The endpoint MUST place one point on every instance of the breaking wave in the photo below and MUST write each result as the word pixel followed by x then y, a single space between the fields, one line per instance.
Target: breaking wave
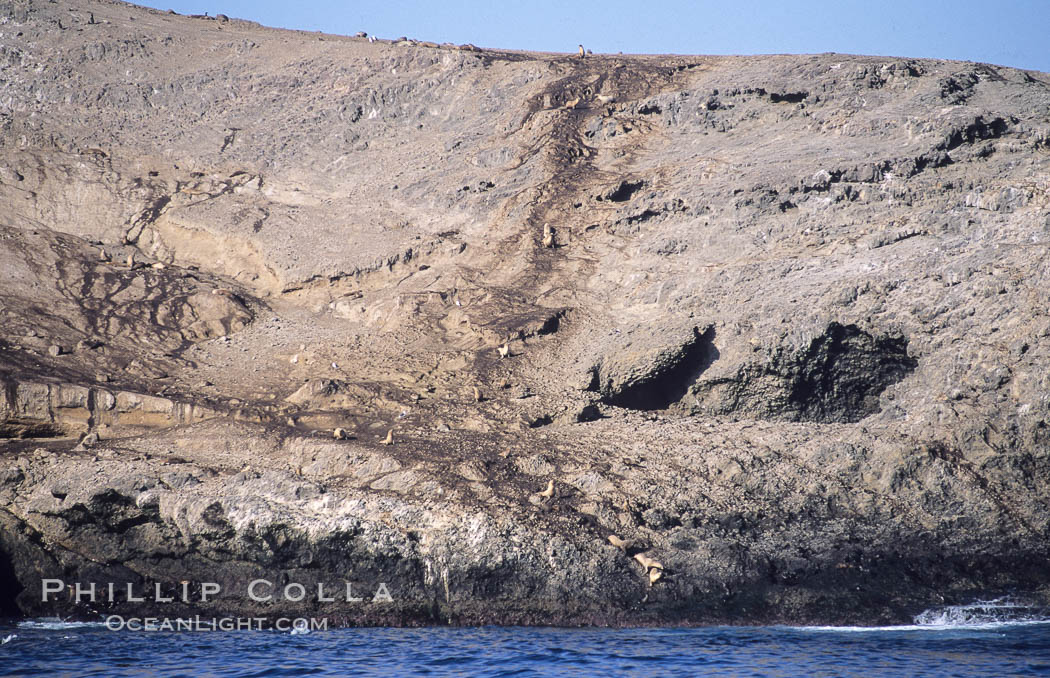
pixel 56 624
pixel 979 615
pixel 983 613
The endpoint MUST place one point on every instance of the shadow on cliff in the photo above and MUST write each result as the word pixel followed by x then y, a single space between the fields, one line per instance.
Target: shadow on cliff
pixel 667 385
pixel 9 587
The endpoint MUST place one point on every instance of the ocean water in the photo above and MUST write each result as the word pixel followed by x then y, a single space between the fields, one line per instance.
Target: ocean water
pixel 952 642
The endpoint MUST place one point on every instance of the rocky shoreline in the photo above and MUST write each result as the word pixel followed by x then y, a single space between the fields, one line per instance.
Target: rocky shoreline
pixel 141 515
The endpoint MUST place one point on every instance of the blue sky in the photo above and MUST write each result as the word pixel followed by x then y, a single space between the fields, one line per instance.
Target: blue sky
pixel 1007 32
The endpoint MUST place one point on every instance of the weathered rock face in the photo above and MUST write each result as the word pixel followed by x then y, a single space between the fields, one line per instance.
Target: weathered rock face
pixel 839 376
pixel 787 337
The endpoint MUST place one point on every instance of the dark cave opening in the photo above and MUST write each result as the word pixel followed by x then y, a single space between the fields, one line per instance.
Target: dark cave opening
pixel 669 383
pixel 841 375
pixel 788 97
pixel 10 587
pixel 625 191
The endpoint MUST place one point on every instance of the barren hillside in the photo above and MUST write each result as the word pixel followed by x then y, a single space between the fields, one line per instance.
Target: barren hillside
pixel 787 336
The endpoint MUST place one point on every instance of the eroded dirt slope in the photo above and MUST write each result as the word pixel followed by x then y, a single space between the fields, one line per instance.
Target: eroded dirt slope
pixel 787 335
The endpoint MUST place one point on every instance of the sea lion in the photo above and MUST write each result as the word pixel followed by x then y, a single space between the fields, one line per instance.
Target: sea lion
pixel 647 562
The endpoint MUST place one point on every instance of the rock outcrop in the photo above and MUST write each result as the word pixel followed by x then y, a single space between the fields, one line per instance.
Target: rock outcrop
pixel 787 336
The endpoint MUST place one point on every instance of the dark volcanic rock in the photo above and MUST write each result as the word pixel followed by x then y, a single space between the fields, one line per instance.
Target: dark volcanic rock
pixel 839 376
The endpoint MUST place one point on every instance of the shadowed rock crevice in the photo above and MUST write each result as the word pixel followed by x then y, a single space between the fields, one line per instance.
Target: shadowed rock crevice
pixel 978 130
pixel 668 379
pixel 788 97
pixel 16 427
pixel 623 192
pixel 838 377
pixel 9 587
pixel 843 372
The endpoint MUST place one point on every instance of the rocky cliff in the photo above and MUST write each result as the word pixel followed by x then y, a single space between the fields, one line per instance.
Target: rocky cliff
pixel 778 323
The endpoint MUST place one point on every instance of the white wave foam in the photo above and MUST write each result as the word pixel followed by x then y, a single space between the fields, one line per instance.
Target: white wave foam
pixel 919 627
pixel 859 629
pixel 981 613
pixel 8 638
pixel 56 624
